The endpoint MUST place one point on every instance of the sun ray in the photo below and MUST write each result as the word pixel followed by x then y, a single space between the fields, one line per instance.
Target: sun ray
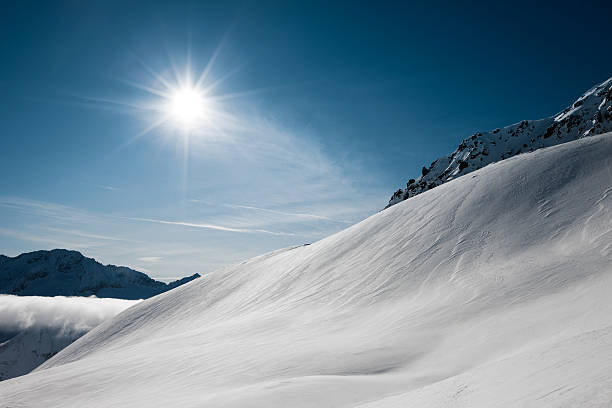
pixel 102 103
pixel 145 131
pixel 211 62
pixel 222 79
pixel 146 88
pixel 152 72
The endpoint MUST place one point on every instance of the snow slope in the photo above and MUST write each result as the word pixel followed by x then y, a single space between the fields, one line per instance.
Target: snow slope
pixel 490 290
pixel 590 115
pixel 68 273
pixel 34 328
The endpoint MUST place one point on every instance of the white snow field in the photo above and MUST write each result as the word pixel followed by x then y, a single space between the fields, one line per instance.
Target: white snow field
pixel 491 290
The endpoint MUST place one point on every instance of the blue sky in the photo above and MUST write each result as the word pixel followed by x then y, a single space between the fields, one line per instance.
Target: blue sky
pixel 322 110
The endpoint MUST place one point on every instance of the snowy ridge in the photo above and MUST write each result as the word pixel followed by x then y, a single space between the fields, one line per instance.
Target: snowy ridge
pixel 590 115
pixel 68 273
pixel 490 290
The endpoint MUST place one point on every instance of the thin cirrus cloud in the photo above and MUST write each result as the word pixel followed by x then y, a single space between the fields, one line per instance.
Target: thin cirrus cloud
pixel 207 238
pixel 105 187
pixel 66 213
pixel 283 213
pixel 101 186
pixel 44 241
pixel 213 227
pixel 43 208
pixel 291 191
pixel 55 225
pixel 150 258
pixel 87 235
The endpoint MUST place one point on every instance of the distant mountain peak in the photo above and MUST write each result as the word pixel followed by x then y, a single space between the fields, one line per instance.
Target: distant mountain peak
pixel 62 272
pixel 590 114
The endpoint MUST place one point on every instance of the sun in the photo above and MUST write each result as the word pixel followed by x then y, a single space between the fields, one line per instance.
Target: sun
pixel 184 103
pixel 187 107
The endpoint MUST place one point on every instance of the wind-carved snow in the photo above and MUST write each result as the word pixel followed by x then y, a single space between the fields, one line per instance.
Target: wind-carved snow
pixel 490 290
pixel 590 115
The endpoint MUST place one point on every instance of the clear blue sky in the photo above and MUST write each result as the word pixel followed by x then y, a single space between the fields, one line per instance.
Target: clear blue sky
pixel 328 107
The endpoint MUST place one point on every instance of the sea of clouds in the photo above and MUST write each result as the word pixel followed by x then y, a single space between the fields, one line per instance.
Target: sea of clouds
pixel 35 328
pixel 72 314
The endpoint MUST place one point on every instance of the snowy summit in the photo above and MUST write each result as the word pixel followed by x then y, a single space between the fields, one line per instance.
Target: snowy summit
pixel 68 273
pixel 591 114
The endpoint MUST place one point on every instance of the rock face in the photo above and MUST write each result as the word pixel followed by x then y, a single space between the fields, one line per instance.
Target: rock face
pixel 68 273
pixel 590 115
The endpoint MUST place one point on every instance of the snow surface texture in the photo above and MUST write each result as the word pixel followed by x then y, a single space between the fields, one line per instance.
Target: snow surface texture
pixel 33 329
pixel 590 115
pixel 490 290
pixel 69 273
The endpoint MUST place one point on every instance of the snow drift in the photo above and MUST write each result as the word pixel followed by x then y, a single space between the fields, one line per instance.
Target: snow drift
pixel 489 290
pixel 32 328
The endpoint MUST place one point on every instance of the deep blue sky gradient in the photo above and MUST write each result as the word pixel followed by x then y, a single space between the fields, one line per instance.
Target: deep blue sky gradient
pixel 373 90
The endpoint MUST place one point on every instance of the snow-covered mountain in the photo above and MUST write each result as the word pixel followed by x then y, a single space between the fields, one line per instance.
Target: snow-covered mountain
pixel 590 115
pixel 68 273
pixel 490 290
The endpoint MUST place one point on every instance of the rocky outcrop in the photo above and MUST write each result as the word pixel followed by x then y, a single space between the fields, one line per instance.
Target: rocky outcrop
pixel 591 114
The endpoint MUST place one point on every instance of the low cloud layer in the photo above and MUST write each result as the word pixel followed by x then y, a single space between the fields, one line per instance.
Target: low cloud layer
pixel 74 314
pixel 35 328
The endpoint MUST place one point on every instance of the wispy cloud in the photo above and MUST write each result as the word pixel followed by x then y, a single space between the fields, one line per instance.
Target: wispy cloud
pixel 46 225
pixel 271 187
pixel 109 188
pixel 27 225
pixel 150 258
pixel 47 241
pixel 45 209
pixel 87 234
pixel 212 227
pixel 101 186
pixel 283 213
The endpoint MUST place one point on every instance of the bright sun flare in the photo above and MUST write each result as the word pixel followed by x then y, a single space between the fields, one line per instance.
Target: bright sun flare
pixel 187 106
pixel 184 101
